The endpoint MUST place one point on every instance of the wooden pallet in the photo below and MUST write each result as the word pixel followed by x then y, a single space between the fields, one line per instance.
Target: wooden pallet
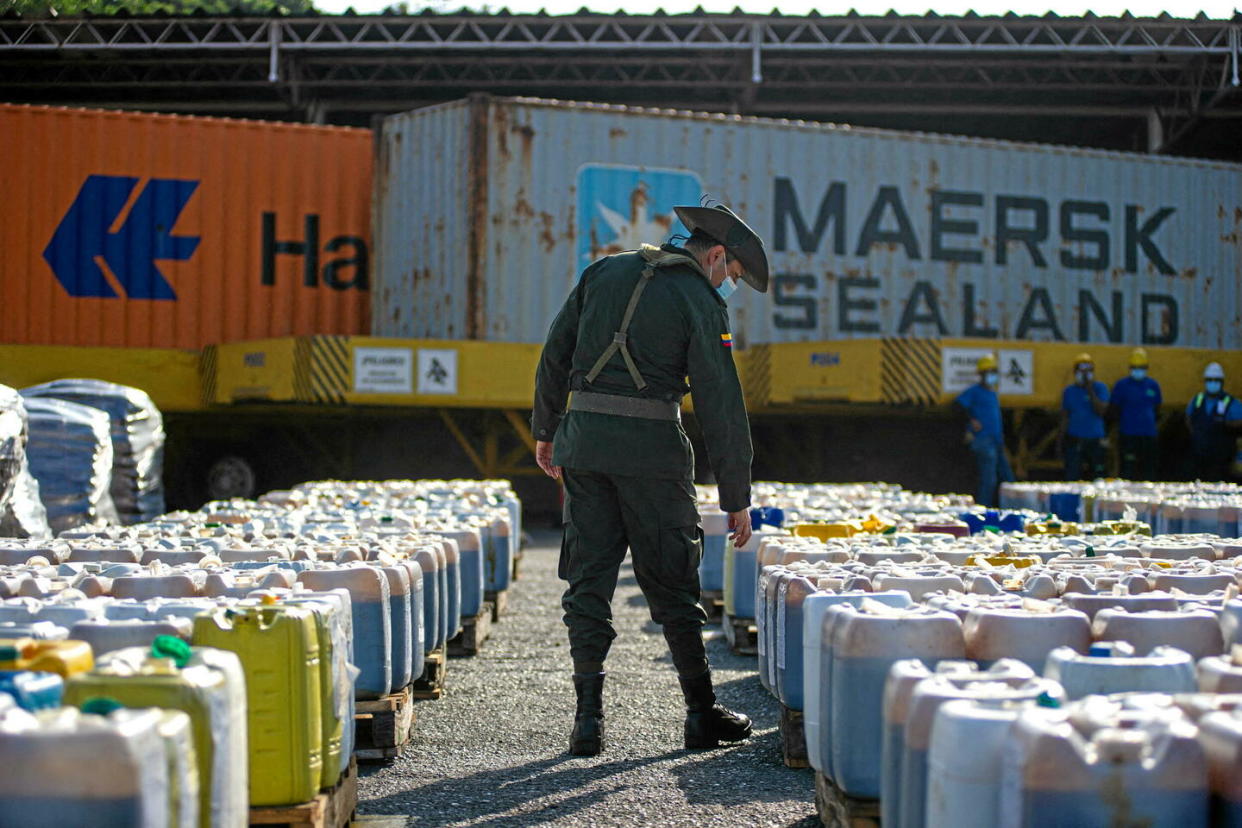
pixel 331 808
pixel 837 809
pixel 430 685
pixel 499 601
pixel 517 562
pixel 742 634
pixel 474 631
pixel 793 739
pixel 712 602
pixel 383 726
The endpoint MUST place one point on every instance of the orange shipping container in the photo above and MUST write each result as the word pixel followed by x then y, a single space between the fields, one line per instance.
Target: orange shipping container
pixel 126 229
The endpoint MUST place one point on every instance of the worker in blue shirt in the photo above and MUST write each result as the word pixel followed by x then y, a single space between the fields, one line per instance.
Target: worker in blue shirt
pixel 1136 401
pixel 1083 405
pixel 981 406
pixel 1214 419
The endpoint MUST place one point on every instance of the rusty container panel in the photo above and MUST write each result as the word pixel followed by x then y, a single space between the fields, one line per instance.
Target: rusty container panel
pixel 870 233
pixel 423 224
pixel 126 229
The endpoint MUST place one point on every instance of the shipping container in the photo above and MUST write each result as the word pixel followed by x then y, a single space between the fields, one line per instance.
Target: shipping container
pixel 487 210
pixel 126 229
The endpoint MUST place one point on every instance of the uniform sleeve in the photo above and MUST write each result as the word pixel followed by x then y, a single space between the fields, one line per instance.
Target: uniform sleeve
pixel 1101 391
pixel 1190 407
pixel 1065 400
pixel 1234 412
pixel 555 364
pixel 720 408
pixel 1159 397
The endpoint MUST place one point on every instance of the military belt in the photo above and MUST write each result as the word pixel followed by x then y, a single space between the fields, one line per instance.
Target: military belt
pixel 640 407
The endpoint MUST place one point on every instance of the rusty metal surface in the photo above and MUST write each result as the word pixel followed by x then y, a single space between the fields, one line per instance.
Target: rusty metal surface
pixel 422 223
pixel 870 233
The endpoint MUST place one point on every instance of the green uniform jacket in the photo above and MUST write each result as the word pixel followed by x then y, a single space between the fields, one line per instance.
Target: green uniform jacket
pixel 680 329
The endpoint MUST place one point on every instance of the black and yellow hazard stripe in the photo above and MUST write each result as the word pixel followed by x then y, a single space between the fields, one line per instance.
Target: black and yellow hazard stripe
pixel 757 376
pixel 321 369
pixel 910 371
pixel 207 362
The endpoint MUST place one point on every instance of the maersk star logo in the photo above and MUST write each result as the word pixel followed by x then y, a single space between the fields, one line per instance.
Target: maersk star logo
pixel 620 208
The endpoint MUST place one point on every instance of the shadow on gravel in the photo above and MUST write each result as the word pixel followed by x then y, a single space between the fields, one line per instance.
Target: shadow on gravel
pixel 703 783
pixel 489 798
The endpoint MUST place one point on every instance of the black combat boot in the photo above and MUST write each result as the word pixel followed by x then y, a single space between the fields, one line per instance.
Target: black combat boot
pixel 588 736
pixel 708 723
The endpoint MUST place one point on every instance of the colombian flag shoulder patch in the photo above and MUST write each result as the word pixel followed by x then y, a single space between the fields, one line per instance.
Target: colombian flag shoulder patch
pixel 726 340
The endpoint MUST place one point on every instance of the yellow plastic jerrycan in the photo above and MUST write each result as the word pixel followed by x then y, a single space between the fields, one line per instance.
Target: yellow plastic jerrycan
pixel 875 525
pixel 1051 527
pixel 279 652
pixel 1016 561
pixel 333 676
pixel 65 658
pixel 202 683
pixel 824 531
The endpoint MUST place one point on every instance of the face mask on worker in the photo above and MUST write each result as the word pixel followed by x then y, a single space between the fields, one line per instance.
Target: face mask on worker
pixel 991 379
pixel 1214 386
pixel 728 286
pixel 1085 375
pixel 1138 373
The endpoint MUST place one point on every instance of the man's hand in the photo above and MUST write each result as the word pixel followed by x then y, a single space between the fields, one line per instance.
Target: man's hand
pixel 975 425
pixel 543 456
pixel 739 527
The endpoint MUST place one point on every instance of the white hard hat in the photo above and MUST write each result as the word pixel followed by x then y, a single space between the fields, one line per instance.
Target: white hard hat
pixel 1214 371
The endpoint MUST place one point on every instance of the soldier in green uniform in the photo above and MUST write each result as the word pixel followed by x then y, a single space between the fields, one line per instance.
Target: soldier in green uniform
pixel 635 327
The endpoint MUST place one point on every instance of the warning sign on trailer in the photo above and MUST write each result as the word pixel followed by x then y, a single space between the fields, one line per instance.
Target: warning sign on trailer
pixel 1015 366
pixel 383 370
pixel 437 371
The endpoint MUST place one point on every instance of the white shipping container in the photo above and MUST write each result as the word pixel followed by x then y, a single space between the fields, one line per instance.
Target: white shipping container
pixel 488 209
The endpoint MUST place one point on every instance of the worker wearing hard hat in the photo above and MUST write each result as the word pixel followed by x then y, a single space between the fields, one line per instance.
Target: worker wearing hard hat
pixel 1214 419
pixel 985 430
pixel 1136 400
pixel 1083 405
pixel 633 329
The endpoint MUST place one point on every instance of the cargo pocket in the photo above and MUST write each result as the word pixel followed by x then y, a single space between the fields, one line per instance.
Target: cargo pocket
pixel 681 543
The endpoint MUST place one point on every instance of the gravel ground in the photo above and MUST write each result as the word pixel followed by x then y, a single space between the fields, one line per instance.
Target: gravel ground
pixel 492 751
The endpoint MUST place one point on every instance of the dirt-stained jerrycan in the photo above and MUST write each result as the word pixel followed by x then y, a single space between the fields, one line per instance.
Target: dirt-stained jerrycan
pixel 371 619
pixel 1141 768
pixel 177 733
pixel 1221 736
pixel 335 680
pixel 279 652
pixel 204 684
pixel 1114 667
pixel 1222 674
pixel 865 645
pixel 63 767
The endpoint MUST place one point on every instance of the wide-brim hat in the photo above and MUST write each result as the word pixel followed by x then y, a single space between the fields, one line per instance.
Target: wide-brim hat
pixel 723 225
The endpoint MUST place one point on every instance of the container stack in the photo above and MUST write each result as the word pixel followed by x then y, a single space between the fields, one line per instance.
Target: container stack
pixel 940 664
pixel 251 651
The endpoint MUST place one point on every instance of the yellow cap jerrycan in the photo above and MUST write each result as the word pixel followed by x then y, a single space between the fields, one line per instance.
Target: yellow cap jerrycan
pixel 335 681
pixel 279 651
pixel 65 658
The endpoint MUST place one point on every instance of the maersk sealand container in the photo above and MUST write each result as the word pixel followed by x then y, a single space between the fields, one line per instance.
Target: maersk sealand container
pixel 488 209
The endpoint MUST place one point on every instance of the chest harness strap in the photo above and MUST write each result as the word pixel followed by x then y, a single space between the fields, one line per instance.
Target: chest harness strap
pixel 655 257
pixel 621 337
